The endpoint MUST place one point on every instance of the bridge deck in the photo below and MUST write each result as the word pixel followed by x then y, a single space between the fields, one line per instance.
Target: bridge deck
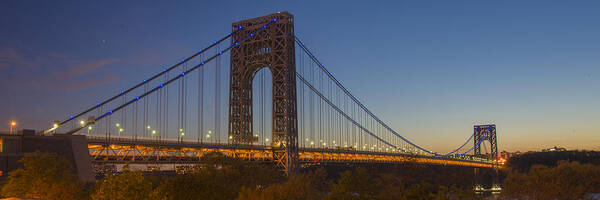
pixel 143 150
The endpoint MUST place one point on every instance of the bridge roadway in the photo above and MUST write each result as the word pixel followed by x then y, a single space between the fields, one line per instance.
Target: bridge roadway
pixel 153 151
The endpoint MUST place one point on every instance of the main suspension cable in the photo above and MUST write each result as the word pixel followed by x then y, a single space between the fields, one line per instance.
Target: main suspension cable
pixel 150 79
pixel 110 112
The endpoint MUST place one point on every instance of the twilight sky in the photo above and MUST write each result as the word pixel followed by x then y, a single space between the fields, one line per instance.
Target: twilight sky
pixel 430 69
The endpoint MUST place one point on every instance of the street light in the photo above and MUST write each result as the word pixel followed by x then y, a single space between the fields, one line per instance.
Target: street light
pixel 12 124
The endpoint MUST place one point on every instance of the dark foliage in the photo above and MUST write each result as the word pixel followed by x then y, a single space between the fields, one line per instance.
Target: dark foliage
pixel 523 162
pixel 567 180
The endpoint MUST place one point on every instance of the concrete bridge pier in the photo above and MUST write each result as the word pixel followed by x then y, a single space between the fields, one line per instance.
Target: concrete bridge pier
pixel 73 147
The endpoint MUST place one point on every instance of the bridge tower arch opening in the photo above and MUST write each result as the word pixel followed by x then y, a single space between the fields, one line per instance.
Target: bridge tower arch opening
pixel 272 48
pixel 262 106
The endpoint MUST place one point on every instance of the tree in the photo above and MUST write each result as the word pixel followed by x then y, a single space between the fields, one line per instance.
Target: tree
pixel 356 184
pixel 297 187
pixel 127 185
pixel 187 186
pixel 302 186
pixel 218 177
pixel 392 184
pixel 44 176
pixel 424 191
pixel 568 180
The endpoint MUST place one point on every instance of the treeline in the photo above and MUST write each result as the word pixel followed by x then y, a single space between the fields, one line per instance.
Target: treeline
pixel 48 176
pixel 566 180
pixel 553 175
pixel 523 162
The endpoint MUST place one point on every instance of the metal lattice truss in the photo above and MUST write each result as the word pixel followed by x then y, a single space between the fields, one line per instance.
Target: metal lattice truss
pixel 271 48
pixel 141 154
pixel 486 132
pixel 139 151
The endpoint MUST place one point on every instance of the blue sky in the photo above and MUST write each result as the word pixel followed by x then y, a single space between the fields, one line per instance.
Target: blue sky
pixel 430 69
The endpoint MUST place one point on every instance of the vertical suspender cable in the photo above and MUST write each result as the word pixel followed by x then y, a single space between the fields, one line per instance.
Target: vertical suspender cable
pixel 182 105
pixel 313 112
pixel 146 112
pixel 135 120
pixel 200 101
pixel 320 82
pixel 165 128
pixel 217 99
pixel 158 114
pixel 301 125
pixel 122 116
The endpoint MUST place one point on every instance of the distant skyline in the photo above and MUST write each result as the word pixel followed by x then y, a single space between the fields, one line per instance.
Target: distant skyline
pixel 431 70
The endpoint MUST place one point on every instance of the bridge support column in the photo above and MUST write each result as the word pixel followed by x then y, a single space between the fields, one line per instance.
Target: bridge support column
pixel 73 147
pixel 272 48
pixel 484 133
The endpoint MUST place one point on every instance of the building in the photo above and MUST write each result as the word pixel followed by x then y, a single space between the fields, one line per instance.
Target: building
pixel 554 149
pixel 507 155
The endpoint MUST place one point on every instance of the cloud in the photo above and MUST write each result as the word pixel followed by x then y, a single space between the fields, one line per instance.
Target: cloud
pixel 84 68
pixel 51 70
pixel 66 77
pixel 89 83
pixel 10 57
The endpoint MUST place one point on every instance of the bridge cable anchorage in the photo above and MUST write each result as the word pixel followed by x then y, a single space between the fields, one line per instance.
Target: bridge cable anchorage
pixel 146 80
pixel 109 113
pixel 353 98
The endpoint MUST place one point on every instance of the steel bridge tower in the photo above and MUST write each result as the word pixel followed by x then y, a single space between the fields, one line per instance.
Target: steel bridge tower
pixel 482 133
pixel 272 48
pixel 489 132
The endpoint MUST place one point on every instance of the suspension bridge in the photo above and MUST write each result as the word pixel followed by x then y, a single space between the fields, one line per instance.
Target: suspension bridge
pixel 284 107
